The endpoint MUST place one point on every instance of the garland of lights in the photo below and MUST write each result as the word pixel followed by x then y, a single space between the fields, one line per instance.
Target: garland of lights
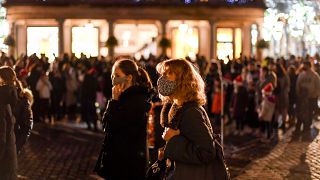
pixel 238 1
pixel 228 1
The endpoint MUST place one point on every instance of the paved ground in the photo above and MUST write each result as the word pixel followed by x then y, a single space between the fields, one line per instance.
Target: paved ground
pixel 291 156
pixel 68 151
pixel 59 152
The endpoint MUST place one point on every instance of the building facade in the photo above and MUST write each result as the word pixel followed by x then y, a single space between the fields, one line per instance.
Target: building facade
pixel 215 29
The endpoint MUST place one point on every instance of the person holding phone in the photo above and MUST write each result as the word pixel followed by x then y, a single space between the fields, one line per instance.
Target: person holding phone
pixel 124 152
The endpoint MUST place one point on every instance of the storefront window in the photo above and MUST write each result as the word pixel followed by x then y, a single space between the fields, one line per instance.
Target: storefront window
pixel 136 39
pixel 85 40
pixel 185 41
pixel 229 43
pixel 238 42
pixel 225 43
pixel 43 40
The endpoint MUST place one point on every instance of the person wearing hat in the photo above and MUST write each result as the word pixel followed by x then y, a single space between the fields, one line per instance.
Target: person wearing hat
pixel 307 91
pixel 266 109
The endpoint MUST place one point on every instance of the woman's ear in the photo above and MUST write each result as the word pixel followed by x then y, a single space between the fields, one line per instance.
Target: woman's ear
pixel 130 78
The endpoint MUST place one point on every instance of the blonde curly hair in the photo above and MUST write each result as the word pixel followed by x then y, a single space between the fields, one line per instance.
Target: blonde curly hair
pixel 190 85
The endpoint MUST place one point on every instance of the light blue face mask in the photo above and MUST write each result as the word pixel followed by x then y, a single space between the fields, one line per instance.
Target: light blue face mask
pixel 165 86
pixel 119 80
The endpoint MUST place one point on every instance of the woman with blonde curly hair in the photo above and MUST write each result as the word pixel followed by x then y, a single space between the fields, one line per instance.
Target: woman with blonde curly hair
pixel 188 133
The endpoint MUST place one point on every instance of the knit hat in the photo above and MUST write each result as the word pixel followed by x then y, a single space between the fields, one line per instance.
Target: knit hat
pixel 267 89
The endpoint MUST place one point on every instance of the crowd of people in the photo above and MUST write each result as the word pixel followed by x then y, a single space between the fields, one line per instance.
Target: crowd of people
pixel 257 97
pixel 265 96
pixel 71 86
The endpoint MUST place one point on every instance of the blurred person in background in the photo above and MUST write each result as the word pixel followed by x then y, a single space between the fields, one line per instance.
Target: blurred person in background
pixel 44 88
pixel 307 89
pixel 23 115
pixel 8 100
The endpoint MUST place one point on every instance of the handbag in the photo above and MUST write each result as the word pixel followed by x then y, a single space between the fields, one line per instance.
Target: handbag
pixel 157 170
pixel 160 171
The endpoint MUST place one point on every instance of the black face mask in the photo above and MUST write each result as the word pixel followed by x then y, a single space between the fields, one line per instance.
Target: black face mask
pixel 165 86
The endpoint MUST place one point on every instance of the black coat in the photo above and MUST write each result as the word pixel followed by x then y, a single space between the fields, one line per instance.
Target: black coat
pixel 193 151
pixel 8 156
pixel 89 89
pixel 126 133
pixel 24 121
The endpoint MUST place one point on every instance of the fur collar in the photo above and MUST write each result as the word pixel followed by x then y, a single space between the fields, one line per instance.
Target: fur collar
pixel 170 115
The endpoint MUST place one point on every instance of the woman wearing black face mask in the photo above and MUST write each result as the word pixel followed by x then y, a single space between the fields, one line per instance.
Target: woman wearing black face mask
pixel 191 145
pixel 8 99
pixel 124 152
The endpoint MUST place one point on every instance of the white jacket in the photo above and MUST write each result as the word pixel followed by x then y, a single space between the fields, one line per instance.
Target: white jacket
pixel 44 87
pixel 267 108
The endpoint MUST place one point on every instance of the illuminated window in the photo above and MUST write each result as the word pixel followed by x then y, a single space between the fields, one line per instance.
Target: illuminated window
pixel 254 37
pixel 238 42
pixel 43 40
pixel 4 28
pixel 185 41
pixel 85 40
pixel 229 43
pixel 136 39
pixel 225 43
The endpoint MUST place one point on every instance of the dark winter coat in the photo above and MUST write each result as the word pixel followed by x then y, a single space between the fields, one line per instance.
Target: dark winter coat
pixel 239 102
pixel 193 151
pixel 89 88
pixel 126 133
pixel 24 121
pixel 251 113
pixel 8 156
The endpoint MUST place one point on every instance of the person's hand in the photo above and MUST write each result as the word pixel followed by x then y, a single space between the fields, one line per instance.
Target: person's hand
pixel 161 153
pixel 116 92
pixel 168 133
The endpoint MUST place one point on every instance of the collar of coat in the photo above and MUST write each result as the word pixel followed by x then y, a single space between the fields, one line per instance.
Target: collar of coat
pixel 171 114
pixel 134 90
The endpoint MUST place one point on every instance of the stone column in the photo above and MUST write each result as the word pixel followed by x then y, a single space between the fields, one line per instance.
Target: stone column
pixel 246 39
pixel 111 33
pixel 61 37
pixel 164 33
pixel 213 40
pixel 12 33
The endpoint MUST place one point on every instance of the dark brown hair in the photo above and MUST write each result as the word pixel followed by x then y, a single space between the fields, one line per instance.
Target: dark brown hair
pixel 8 75
pixel 139 76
